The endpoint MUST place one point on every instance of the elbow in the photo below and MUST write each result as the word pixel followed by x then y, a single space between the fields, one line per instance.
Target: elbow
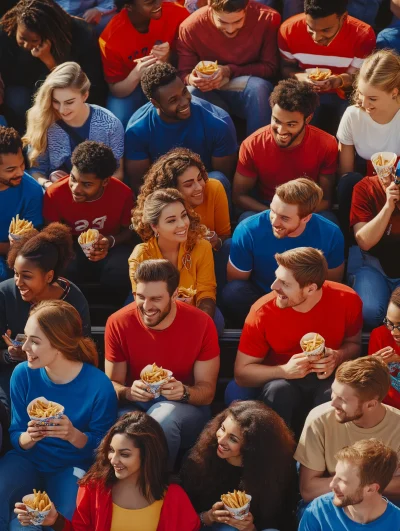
pixel 240 378
pixel 306 494
pixel 363 245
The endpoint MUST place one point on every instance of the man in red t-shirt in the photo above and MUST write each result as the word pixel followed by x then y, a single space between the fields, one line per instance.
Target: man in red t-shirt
pixel 325 36
pixel 89 198
pixel 176 336
pixel 375 218
pixel 241 36
pixel 270 364
pixel 385 343
pixel 287 149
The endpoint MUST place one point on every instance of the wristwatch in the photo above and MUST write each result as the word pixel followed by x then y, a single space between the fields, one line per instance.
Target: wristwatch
pixel 186 395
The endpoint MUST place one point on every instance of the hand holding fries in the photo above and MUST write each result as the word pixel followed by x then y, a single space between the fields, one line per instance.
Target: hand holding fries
pixel 320 74
pixel 39 501
pixel 205 85
pixel 173 389
pixel 325 366
pixel 297 367
pixel 154 375
pixel 36 509
pixel 41 409
pixel 100 249
pixel 219 514
pixel 139 392
pixel 309 345
pixel 19 226
pixel 235 499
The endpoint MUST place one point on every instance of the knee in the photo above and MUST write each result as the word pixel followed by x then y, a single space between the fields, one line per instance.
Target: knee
pixel 347 182
pixel 373 312
pixel 234 392
pixel 259 85
pixel 222 178
pixel 277 390
pixel 232 292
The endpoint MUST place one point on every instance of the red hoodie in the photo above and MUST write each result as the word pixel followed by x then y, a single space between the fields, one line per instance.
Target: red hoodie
pixel 94 510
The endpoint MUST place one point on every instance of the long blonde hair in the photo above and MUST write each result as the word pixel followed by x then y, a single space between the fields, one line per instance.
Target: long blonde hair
pixel 42 114
pixel 381 70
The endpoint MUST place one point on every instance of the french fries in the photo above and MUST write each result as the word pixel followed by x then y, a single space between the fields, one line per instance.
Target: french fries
pixel 43 410
pixel 308 345
pixel 186 292
pixel 235 499
pixel 156 374
pixel 317 75
pixel 20 226
pixel 88 236
pixel 209 69
pixel 380 161
pixel 40 501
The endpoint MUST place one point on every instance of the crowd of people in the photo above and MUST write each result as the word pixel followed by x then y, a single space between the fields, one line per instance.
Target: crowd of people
pixel 263 195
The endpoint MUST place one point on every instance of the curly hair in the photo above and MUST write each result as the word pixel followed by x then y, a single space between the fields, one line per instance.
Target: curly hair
pixel 47 19
pixel 325 8
pixel 50 250
pixel 294 96
pixel 267 454
pixel 228 6
pixel 165 171
pixel 148 212
pixel 10 141
pixel 94 157
pixel 158 75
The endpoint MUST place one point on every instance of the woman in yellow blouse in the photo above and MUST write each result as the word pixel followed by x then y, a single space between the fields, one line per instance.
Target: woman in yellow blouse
pixel 172 231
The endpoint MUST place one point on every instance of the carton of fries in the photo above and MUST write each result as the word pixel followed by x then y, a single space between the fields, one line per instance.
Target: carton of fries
pixel 237 503
pixel 19 227
pixel 318 75
pixel 186 294
pixel 87 239
pixel 154 377
pixel 207 69
pixel 38 506
pixel 313 345
pixel 384 165
pixel 44 412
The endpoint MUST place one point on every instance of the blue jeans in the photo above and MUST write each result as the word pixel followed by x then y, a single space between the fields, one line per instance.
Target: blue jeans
pixel 237 298
pixel 19 477
pixel 365 10
pixel 123 108
pixel 223 179
pixel 328 114
pixel 17 100
pixel 290 7
pixel 3 121
pixel 368 279
pixel 181 423
pixel 390 37
pixel 251 104
pixel 226 527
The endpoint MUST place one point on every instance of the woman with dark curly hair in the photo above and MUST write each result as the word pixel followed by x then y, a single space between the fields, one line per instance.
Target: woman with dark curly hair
pixel 127 487
pixel 246 447
pixel 38 260
pixel 171 230
pixel 35 37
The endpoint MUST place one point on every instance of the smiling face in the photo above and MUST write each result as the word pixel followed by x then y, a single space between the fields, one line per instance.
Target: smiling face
pixel 229 23
pixel 69 104
pixel 38 349
pixel 173 101
pixel 347 404
pixel 324 30
pixel 375 101
pixel 124 457
pixel 31 281
pixel 346 485
pixel 230 441
pixel 86 186
pixel 393 315
pixel 285 219
pixel 288 128
pixel 146 9
pixel 192 186
pixel 27 39
pixel 12 167
pixel 153 302
pixel 289 293
pixel 173 224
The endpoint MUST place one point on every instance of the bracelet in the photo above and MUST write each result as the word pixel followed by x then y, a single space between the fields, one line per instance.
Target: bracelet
pixel 201 516
pixel 44 184
pixel 113 242
pixel 220 245
pixel 341 77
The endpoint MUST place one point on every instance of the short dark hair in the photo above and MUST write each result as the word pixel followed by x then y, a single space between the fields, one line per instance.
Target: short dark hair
pixel 228 6
pixel 158 271
pixel 158 75
pixel 94 157
pixel 10 141
pixel 395 297
pixel 295 96
pixel 325 8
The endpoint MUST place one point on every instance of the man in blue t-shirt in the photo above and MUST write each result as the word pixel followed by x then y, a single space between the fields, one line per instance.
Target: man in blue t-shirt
pixel 363 471
pixel 19 193
pixel 289 223
pixel 173 118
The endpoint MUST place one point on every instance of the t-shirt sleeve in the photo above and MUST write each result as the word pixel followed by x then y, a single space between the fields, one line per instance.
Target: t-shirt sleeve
pixel 112 62
pixel 335 255
pixel 329 163
pixel 136 147
pixel 223 133
pixel 246 165
pixel 42 164
pixel 50 210
pixel 210 346
pixel 345 129
pixel 310 451
pixel 32 210
pixel 206 284
pixel 18 393
pixel 364 48
pixel 361 206
pixel 222 219
pixel 375 342
pixel 253 341
pixel 241 252
pixel 283 44
pixel 117 139
pixel 113 342
pixel 309 521
pixel 354 318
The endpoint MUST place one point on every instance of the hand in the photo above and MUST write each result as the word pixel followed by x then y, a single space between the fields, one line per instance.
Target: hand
pixel 205 85
pixel 99 249
pixel 325 366
pixel 64 429
pixel 387 355
pixel 43 52
pixel 217 513
pixel 16 353
pixel 139 392
pixel 25 520
pixel 332 83
pixel 143 64
pixel 161 52
pixel 392 195
pixel 247 524
pixel 92 16
pixel 57 175
pixel 297 367
pixel 35 432
pixel 172 390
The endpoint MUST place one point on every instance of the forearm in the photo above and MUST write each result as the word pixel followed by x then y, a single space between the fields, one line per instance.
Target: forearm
pixel 371 233
pixel 348 351
pixel 121 391
pixel 78 439
pixel 325 204
pixel 207 306
pixel 126 87
pixel 395 7
pixel 290 71
pixel 122 237
pixel 315 487
pixel 256 374
pixel 246 202
pixel 260 69
pixel 392 491
pixel 41 178
pixel 201 394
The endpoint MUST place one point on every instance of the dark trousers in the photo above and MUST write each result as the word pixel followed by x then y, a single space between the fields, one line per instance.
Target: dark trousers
pixel 238 296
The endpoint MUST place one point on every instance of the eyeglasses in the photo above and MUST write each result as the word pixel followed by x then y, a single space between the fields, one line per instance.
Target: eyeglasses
pixel 390 326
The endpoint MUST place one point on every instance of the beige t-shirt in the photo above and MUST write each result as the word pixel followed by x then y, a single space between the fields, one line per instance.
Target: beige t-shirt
pixel 323 436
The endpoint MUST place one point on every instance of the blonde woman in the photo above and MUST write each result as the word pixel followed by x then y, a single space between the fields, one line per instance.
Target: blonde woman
pixel 60 119
pixel 172 231
pixel 60 366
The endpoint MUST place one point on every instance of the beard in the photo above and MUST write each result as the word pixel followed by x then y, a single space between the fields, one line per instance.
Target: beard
pixel 155 320
pixel 354 499
pixel 289 303
pixel 284 233
pixel 293 137
pixel 349 418
pixel 10 183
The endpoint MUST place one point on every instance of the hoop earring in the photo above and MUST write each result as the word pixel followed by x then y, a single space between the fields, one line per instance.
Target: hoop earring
pixel 156 234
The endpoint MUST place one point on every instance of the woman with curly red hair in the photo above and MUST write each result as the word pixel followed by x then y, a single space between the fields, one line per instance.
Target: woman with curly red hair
pixel 246 447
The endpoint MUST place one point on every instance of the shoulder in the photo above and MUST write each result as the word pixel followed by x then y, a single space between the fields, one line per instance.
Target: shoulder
pixel 214 186
pixel 353 113
pixel 8 288
pixel 80 28
pixel 175 11
pixel 202 246
pixel 376 334
pixel 196 319
pixel 30 184
pixel 265 304
pixel 59 188
pixel 104 115
pixel 117 186
pixel 393 412
pixel 321 415
pixel 258 137
pixel 263 12
pixel 320 136
pixel 339 291
pixel 324 224
pixel 21 372
pixel 139 119
pixel 174 493
pixel 370 182
pixel 94 376
pixel 142 251
pixel 124 317
pixel 293 24
pixel 211 112
pixel 358 26
pixel 114 28
pixel 198 18
pixel 322 503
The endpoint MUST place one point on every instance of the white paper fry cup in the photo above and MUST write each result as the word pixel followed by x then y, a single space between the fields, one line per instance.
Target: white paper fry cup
pixel 87 247
pixel 46 421
pixel 154 388
pixel 37 517
pixel 386 171
pixel 206 76
pixel 315 81
pixel 318 352
pixel 240 512
pixel 15 237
